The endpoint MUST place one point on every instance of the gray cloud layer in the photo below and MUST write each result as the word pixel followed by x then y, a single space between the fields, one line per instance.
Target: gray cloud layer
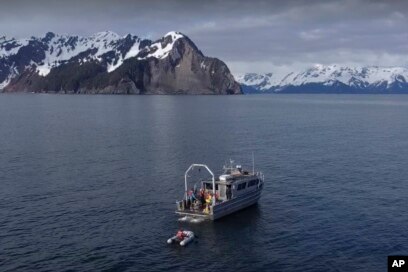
pixel 255 36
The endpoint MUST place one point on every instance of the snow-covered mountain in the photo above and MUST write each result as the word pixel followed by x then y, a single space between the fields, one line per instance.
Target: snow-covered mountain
pixel 64 63
pixel 45 53
pixel 332 79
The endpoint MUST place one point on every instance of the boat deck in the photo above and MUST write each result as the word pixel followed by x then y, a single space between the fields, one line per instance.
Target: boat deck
pixel 193 213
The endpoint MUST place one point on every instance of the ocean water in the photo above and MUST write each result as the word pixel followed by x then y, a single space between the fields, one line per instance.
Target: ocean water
pixel 89 183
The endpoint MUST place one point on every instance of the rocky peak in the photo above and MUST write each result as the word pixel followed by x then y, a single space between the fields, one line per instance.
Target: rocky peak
pixel 49 36
pixel 106 62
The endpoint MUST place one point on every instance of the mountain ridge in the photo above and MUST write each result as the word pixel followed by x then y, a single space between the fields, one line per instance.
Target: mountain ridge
pixel 106 62
pixel 329 79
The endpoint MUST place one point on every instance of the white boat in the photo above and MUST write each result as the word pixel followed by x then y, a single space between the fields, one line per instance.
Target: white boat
pixel 234 190
pixel 188 237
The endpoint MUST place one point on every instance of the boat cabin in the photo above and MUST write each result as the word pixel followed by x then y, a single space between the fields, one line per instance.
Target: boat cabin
pixel 233 183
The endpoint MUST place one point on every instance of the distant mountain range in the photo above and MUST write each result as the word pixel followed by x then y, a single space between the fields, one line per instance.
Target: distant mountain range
pixel 108 63
pixel 329 79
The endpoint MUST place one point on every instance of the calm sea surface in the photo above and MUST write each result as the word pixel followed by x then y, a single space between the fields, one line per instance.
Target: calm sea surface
pixel 88 183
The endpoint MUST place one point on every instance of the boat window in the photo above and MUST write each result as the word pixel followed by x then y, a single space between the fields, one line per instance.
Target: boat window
pixel 209 186
pixel 253 182
pixel 241 186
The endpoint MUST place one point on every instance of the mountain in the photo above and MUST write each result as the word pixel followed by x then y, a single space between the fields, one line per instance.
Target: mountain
pixel 108 63
pixel 329 79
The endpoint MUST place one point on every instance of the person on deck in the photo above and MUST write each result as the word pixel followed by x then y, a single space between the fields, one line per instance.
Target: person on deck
pixel 208 201
pixel 202 196
pixel 192 195
pixel 229 193
pixel 216 196
pixel 195 189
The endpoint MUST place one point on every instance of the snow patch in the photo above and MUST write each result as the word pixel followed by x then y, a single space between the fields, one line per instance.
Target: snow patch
pixel 4 83
pixel 174 35
pixel 162 52
pixel 133 51
pixel 43 70
pixel 112 67
pixel 17 44
pixel 13 73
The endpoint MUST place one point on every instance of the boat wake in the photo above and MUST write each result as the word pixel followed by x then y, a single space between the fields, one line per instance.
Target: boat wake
pixel 190 219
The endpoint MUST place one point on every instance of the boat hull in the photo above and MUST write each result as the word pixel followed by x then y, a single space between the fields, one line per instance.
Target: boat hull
pixel 231 206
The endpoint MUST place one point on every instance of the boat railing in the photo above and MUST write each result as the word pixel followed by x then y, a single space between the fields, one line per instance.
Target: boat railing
pixel 260 175
pixel 186 176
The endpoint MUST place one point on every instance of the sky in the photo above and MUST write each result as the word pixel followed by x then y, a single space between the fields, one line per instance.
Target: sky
pixel 250 36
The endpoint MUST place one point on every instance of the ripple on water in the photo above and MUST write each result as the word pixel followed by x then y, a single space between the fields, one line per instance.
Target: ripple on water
pixel 89 182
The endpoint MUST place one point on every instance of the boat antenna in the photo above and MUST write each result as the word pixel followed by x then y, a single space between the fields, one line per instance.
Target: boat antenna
pixel 253 163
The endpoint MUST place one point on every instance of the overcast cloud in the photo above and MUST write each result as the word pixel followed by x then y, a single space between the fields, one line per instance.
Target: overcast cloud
pixel 250 36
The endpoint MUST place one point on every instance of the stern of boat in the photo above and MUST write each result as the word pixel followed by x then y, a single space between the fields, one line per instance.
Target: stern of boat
pixel 193 212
